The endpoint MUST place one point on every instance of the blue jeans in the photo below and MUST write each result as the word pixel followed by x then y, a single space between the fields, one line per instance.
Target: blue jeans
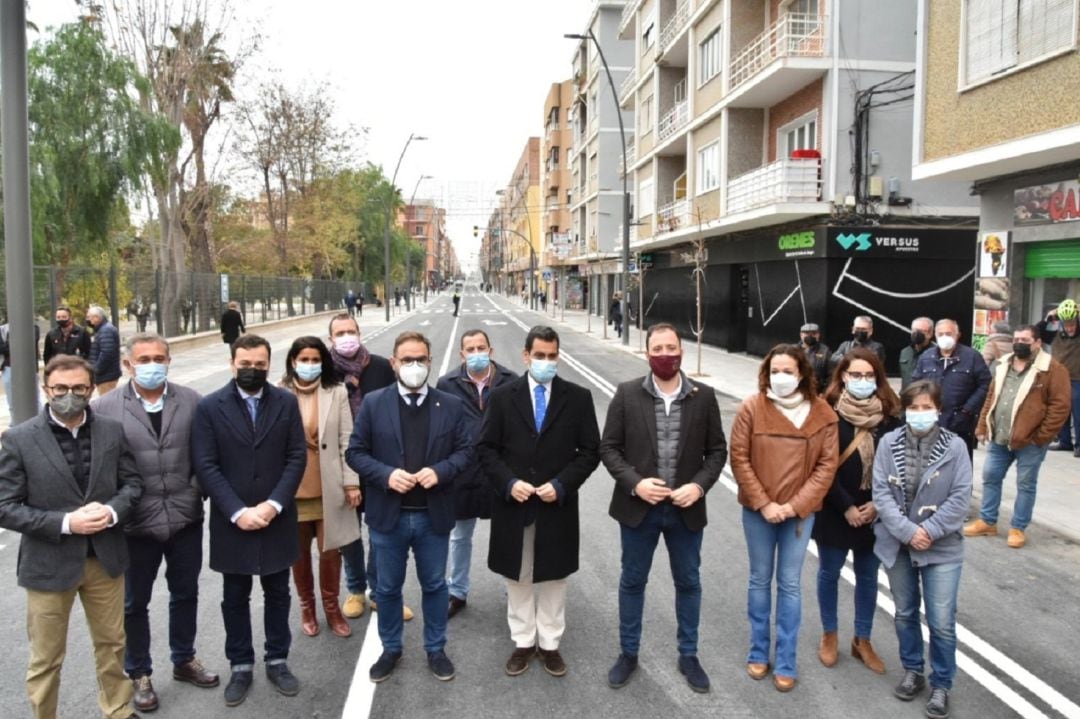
pixel 940 584
pixel 183 560
pixel 413 530
pixel 684 556
pixel 457 571
pixel 1067 438
pixel 236 611
pixel 780 547
pixel 357 577
pixel 831 562
pixel 998 460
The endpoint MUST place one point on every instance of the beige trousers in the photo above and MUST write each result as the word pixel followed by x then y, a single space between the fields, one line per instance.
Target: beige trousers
pixel 47 615
pixel 536 613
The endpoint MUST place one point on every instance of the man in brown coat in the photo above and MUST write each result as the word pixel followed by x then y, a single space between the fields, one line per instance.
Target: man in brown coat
pixel 1028 402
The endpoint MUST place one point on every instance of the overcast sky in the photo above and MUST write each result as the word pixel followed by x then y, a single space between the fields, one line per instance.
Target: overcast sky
pixel 470 75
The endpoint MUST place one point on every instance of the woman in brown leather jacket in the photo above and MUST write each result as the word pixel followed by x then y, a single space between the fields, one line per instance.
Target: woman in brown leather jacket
pixel 784 456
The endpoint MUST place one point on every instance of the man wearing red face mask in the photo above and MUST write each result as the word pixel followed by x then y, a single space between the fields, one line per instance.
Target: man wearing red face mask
pixel 664 445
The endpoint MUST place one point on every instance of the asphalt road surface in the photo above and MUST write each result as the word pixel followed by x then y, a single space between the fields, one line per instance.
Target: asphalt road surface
pixel 1019 611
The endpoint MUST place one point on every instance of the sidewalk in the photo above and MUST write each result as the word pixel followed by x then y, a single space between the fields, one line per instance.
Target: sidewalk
pixel 735 375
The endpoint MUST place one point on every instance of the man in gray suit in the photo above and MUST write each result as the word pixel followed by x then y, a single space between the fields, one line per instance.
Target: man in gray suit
pixel 67 484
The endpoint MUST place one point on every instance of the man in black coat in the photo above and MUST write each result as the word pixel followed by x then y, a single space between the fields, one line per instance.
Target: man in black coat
pixel 232 323
pixel 862 332
pixel 664 446
pixel 538 444
pixel 817 352
pixel 472 383
pixel 249 452
pixel 104 351
pixel 67 338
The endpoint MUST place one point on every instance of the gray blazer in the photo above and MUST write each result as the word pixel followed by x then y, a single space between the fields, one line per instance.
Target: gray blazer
pixel 171 499
pixel 37 489
pixel 940 505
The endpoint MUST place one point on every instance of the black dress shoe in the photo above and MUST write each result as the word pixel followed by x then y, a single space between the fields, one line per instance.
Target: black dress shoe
pixel 620 674
pixel 282 679
pixel 937 706
pixel 456 605
pixel 691 668
pixel 384 667
pixel 910 686
pixel 237 689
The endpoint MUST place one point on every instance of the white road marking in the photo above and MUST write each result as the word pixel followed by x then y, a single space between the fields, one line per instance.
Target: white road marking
pixel 362 689
pixel 449 348
pixel 492 323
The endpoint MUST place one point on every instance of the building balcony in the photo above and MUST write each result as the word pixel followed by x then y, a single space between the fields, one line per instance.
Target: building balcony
pixel 672 216
pixel 549 131
pixel 788 180
pixel 626 22
pixel 674 27
pixel 626 88
pixel 631 156
pixel 673 120
pixel 633 235
pixel 789 55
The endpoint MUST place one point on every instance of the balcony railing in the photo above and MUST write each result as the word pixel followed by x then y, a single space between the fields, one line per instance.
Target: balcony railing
pixel 550 130
pixel 627 15
pixel 631 156
pixel 672 121
pixel 788 180
pixel 627 85
pixel 793 35
pixel 672 216
pixel 674 26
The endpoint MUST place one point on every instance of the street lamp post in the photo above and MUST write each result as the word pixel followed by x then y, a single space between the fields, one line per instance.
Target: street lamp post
pixel 408 254
pixel 386 231
pixel 626 191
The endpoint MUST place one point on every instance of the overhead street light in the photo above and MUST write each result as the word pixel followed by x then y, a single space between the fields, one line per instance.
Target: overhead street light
pixel 408 255
pixel 626 191
pixel 386 231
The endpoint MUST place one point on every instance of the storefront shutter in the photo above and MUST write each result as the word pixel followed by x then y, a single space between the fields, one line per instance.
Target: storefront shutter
pixel 1053 259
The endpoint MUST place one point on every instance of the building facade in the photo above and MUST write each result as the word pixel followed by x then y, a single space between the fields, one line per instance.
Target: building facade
pixel 998 115
pixel 555 186
pixel 517 227
pixel 425 223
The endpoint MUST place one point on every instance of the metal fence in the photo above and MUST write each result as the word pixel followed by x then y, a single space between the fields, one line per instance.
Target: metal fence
pixel 172 303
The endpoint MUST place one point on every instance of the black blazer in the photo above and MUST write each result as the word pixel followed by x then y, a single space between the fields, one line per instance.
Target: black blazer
pixel 629 448
pixel 232 326
pixel 240 466
pixel 566 448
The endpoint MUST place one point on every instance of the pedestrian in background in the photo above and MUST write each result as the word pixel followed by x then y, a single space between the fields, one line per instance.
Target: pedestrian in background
pixel 867 408
pixel 67 338
pixel 104 350
pixel 232 323
pixel 615 315
pixel 862 332
pixel 784 457
pixel 409 444
pixel 1027 404
pixel 922 487
pixel 662 467
pixel 998 344
pixel 249 451
pixel 350 302
pixel 1065 348
pixel 472 382
pixel 922 339
pixel 538 445
pixel 167 522
pixel 457 302
pixel 329 491
pixel 72 542
pixel 817 353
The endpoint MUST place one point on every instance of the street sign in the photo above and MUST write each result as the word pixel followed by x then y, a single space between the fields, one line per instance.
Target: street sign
pixel 547 275
pixel 632 267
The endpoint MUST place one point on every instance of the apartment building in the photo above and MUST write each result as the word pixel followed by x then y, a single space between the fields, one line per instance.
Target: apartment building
pixel 425 222
pixel 776 133
pixel 516 225
pixel 555 186
pixel 998 113
pixel 597 153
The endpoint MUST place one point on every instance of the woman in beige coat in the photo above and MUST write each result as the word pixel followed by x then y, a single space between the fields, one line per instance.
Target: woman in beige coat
pixel 329 492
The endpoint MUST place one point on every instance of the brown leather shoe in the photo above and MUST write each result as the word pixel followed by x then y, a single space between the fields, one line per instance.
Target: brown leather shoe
pixel 330 588
pixel 553 662
pixel 863 650
pixel 193 672
pixel 145 698
pixel 757 671
pixel 519 660
pixel 783 684
pixel 827 650
pixel 456 605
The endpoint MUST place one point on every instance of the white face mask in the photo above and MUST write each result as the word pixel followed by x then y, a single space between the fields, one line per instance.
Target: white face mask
pixel 946 343
pixel 413 375
pixel 783 385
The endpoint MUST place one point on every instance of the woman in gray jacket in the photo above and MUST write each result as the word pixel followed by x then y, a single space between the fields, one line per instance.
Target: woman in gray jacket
pixel 922 487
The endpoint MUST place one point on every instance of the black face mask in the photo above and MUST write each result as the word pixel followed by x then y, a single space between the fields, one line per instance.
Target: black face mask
pixel 861 336
pixel 918 338
pixel 1022 350
pixel 810 341
pixel 63 323
pixel 250 379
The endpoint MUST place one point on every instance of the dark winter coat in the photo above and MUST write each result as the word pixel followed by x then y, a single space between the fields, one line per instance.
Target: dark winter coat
pixel 232 326
pixel 964 385
pixel 76 343
pixel 105 353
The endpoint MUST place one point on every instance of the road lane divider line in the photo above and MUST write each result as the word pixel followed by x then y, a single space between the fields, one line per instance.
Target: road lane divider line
pixel 449 349
pixel 361 688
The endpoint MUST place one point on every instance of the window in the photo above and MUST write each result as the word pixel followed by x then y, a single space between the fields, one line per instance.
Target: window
pixel 709 58
pixel 708 168
pixel 803 7
pixel 645 115
pixel 1002 34
pixel 648 30
pixel 646 201
pixel 419 230
pixel 798 135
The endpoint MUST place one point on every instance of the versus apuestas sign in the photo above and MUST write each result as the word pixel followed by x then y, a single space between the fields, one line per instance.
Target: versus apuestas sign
pixel 865 241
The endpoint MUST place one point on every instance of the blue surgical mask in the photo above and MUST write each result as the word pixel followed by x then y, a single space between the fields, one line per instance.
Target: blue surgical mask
pixel 477 362
pixel 151 375
pixel 861 388
pixel 922 421
pixel 543 371
pixel 308 372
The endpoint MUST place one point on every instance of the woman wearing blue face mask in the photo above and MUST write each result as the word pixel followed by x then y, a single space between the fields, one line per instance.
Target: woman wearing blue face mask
pixel 867 408
pixel 329 492
pixel 922 487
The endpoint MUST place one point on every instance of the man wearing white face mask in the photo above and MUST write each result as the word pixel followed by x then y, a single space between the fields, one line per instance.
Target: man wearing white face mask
pixel 963 376
pixel 409 445
pixel 168 520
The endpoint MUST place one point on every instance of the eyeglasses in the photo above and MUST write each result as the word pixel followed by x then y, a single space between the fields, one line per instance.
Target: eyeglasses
pixel 79 390
pixel 861 375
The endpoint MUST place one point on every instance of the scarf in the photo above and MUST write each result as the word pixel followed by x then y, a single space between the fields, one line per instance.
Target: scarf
pixel 863 414
pixel 351 369
pixel 794 406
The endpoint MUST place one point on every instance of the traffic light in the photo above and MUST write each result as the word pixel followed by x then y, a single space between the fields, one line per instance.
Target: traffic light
pixel 475 231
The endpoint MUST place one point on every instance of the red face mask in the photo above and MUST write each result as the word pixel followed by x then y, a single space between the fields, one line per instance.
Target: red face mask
pixel 665 366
